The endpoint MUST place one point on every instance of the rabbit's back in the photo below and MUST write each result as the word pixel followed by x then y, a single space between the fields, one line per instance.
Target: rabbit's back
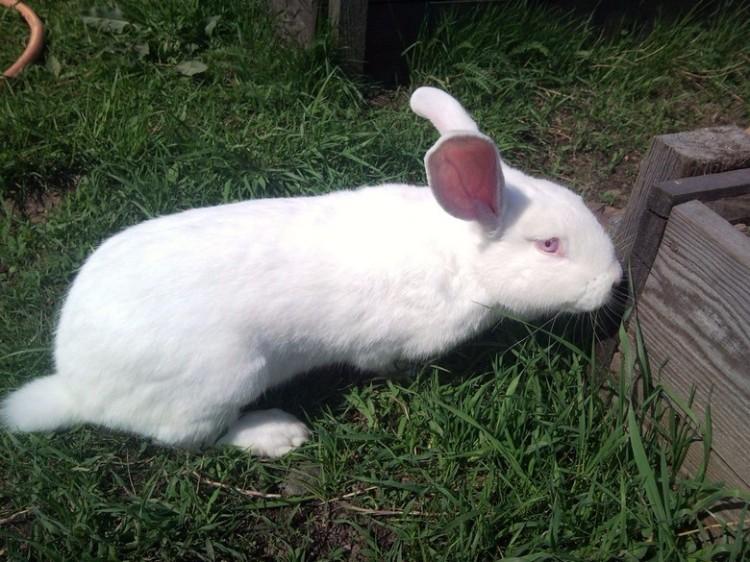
pixel 301 282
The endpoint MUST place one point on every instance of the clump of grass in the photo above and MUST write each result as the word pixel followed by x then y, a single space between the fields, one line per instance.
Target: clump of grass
pixel 514 455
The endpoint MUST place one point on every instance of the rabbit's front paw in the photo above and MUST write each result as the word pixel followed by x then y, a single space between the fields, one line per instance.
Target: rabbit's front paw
pixel 268 433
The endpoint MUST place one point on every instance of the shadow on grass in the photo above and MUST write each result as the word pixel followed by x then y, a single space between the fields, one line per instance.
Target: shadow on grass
pixel 308 394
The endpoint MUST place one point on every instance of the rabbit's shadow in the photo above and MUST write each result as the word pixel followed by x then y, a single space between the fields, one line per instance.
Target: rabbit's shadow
pixel 309 394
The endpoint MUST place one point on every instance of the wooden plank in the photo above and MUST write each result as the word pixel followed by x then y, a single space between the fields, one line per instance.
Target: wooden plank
pixel 694 312
pixel 703 188
pixel 348 20
pixel 644 250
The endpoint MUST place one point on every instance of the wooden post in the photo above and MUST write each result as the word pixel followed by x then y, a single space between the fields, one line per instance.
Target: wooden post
pixel 672 156
pixel 348 19
pixel 694 314
pixel 679 155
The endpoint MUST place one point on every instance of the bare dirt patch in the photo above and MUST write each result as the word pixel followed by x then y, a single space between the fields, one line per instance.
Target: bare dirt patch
pixel 38 196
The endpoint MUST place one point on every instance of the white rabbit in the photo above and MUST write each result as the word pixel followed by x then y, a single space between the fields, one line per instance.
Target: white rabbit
pixel 175 324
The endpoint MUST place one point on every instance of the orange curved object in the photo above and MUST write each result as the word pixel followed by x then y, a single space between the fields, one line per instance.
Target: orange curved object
pixel 36 38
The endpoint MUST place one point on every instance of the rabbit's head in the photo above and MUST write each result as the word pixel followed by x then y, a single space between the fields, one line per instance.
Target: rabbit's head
pixel 541 249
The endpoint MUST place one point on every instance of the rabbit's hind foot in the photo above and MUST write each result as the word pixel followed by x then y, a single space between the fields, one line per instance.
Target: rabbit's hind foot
pixel 268 433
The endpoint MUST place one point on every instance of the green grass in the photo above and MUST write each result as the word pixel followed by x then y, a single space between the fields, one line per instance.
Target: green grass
pixel 480 455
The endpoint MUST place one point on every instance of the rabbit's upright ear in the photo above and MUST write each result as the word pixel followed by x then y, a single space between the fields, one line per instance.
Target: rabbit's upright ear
pixel 464 173
pixel 443 111
pixel 463 167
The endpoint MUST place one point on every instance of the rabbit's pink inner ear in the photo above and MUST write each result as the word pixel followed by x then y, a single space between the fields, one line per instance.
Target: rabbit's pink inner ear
pixel 465 176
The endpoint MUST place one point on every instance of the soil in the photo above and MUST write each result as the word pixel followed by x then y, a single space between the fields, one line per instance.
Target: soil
pixel 37 197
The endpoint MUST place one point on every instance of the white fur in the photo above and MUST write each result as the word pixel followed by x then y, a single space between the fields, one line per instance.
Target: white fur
pixel 269 433
pixel 175 324
pixel 442 110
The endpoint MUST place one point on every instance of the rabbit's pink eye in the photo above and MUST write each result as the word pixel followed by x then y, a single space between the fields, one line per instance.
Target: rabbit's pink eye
pixel 549 246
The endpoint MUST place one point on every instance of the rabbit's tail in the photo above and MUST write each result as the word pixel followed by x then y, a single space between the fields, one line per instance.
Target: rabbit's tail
pixel 40 405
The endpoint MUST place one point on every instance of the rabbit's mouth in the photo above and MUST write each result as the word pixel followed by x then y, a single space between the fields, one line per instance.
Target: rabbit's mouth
pixel 600 290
